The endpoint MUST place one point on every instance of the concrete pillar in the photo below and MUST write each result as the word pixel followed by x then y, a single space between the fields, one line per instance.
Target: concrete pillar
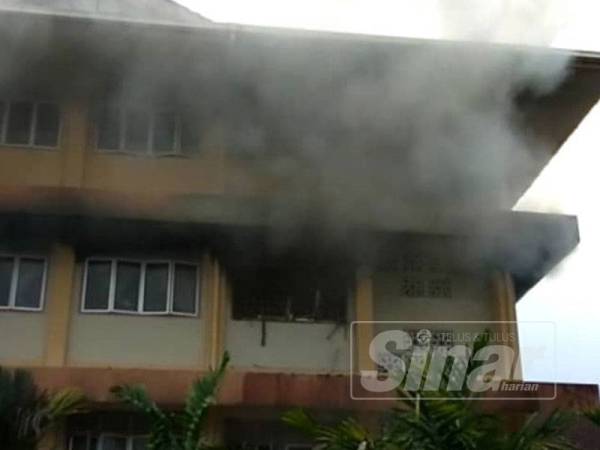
pixel 364 312
pixel 59 297
pixel 505 309
pixel 215 317
pixel 74 140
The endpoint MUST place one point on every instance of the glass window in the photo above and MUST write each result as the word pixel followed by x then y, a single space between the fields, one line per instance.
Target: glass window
pixel 97 285
pixel 79 442
pixel 185 288
pixel 190 136
pixel 6 274
pixel 156 285
pixel 109 129
pixel 31 279
pixel 136 134
pixel 128 285
pixel 165 129
pixel 18 128
pixel 114 443
pixel 47 125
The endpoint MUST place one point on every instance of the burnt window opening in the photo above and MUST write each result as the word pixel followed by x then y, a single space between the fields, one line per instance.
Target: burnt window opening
pixel 146 131
pixel 275 294
pixel 31 124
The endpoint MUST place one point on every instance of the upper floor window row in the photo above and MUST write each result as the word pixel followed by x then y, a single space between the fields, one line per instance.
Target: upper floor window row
pixel 32 124
pixel 145 132
pixel 141 287
pixel 22 282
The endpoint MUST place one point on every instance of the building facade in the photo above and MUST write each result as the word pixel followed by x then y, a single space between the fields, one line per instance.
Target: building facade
pixel 142 235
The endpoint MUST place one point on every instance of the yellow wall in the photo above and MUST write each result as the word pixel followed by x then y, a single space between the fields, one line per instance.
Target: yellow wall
pixel 60 335
pixel 77 164
pixel 21 166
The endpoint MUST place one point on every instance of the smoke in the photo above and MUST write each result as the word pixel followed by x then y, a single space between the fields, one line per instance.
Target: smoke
pixel 389 132
pixel 350 130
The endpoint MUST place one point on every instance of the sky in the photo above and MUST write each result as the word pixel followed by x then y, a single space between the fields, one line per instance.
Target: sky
pixel 568 296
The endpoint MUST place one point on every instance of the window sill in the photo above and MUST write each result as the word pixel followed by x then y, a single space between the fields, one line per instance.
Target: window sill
pixel 145 155
pixel 139 314
pixel 19 309
pixel 28 147
pixel 291 321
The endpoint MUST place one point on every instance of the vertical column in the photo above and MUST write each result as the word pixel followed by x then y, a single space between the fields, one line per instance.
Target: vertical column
pixel 73 142
pixel 215 314
pixel 504 301
pixel 58 303
pixel 364 312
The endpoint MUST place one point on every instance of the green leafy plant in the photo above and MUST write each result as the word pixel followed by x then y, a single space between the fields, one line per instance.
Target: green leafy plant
pixel 440 420
pixel 593 415
pixel 28 414
pixel 174 430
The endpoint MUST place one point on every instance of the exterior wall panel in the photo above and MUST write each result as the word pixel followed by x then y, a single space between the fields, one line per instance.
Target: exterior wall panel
pixel 471 300
pixel 129 340
pixel 313 347
pixel 108 340
pixel 22 336
pixel 24 167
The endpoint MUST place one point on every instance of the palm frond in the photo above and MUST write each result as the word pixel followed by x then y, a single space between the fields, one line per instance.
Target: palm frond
pixel 137 397
pixel 346 435
pixel 593 415
pixel 163 435
pixel 202 395
pixel 64 403
pixel 543 434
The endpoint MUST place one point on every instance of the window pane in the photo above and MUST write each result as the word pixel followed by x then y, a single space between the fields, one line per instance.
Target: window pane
pixel 2 118
pixel 19 123
pixel 155 289
pixel 136 135
pixel 46 125
pixel 6 270
pixel 29 288
pixel 79 443
pixel 114 443
pixel 128 285
pixel 184 290
pixel 164 132
pixel 97 285
pixel 109 129
pixel 190 136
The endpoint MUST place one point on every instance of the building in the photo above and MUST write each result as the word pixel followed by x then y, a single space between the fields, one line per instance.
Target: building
pixel 149 218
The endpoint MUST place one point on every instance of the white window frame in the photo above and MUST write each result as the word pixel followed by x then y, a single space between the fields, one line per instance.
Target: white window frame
pixel 14 283
pixel 100 439
pixel 5 117
pixel 149 151
pixel 169 311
